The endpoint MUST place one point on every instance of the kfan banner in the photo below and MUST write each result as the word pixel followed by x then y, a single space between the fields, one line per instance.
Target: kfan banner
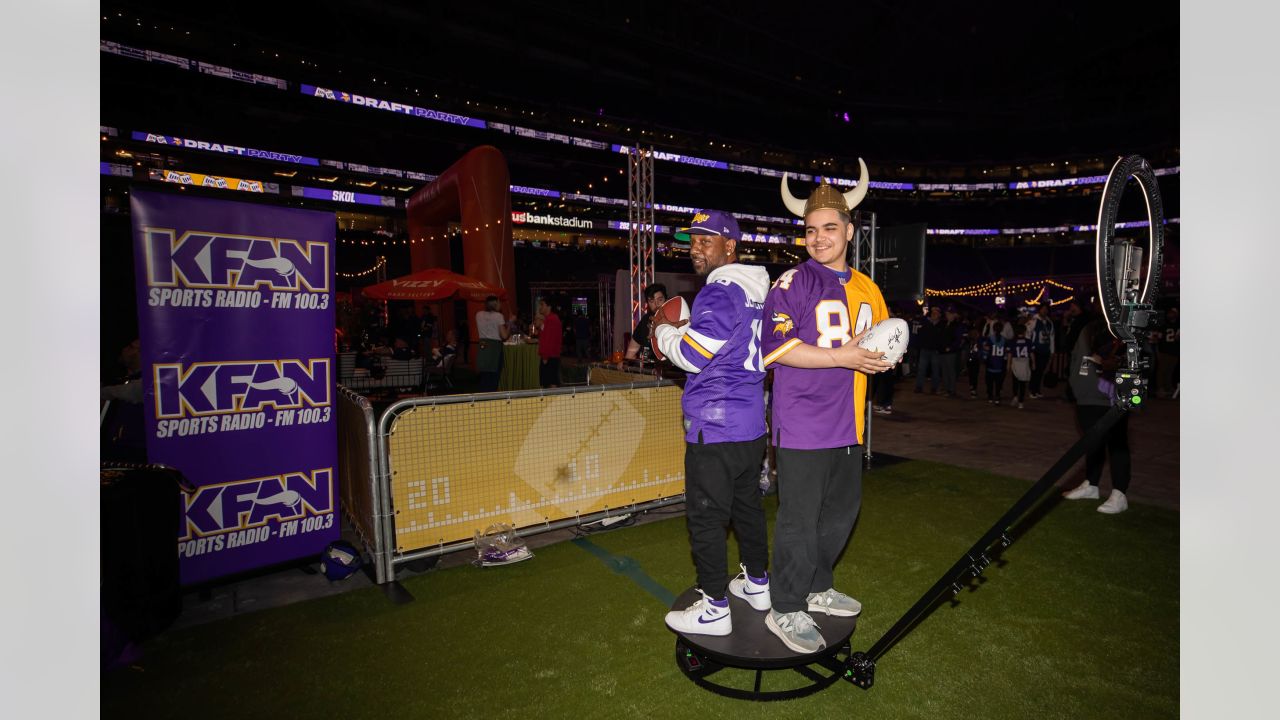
pixel 236 318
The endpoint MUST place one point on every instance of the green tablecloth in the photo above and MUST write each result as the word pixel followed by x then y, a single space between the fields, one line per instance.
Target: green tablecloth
pixel 519 367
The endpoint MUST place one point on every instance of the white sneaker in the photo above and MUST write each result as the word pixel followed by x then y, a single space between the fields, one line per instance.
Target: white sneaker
pixel 1116 503
pixel 834 602
pixel 757 596
pixel 1083 491
pixel 701 618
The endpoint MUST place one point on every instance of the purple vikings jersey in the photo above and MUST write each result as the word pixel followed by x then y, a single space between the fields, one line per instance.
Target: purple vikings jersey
pixel 820 407
pixel 720 349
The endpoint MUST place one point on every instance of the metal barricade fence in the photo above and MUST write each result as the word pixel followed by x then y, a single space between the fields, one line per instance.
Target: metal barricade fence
pixel 605 374
pixel 363 501
pixel 444 468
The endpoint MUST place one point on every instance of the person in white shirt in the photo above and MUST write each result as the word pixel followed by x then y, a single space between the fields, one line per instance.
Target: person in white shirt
pixel 492 330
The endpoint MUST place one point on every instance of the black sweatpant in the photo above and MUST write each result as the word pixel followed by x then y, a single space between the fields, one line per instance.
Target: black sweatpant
pixel 819 495
pixel 722 486
pixel 1037 370
pixel 1116 446
pixel 995 385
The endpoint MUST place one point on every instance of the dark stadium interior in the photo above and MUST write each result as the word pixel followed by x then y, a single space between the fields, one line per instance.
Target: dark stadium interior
pixel 934 93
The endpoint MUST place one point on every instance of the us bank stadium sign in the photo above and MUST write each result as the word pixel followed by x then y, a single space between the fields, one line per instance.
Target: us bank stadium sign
pixel 523 218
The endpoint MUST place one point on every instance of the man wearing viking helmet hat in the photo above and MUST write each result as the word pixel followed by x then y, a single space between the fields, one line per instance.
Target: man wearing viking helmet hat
pixel 817 312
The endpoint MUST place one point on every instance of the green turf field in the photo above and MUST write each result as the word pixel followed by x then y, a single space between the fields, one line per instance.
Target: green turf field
pixel 1080 621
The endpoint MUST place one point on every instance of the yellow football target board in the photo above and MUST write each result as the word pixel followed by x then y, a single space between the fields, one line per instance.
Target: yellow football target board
pixel 457 468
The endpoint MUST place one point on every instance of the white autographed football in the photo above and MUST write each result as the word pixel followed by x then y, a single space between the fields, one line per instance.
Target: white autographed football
pixel 889 337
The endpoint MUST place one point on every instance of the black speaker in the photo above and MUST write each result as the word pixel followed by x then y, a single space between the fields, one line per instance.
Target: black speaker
pixel 140 592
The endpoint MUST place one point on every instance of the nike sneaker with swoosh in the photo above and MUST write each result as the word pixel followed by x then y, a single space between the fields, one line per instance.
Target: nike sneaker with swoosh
pixel 757 596
pixel 703 617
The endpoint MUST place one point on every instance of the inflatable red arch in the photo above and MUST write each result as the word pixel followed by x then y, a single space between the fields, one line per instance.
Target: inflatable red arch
pixel 474 191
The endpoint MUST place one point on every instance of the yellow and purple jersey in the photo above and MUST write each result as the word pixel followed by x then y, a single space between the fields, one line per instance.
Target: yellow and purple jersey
pixel 814 305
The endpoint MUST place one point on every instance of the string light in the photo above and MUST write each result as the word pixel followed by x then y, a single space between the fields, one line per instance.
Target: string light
pixel 376 266
pixel 998 287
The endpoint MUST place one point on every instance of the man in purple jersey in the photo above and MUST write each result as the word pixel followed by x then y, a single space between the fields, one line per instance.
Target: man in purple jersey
pixel 814 315
pixel 723 404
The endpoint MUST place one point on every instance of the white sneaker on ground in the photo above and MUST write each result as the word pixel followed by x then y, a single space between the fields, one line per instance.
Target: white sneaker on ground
pixel 1116 503
pixel 796 630
pixel 701 618
pixel 1083 491
pixel 757 596
pixel 834 602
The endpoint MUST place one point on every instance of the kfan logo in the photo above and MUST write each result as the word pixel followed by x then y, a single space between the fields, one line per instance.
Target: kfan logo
pixel 251 503
pixel 209 260
pixel 210 388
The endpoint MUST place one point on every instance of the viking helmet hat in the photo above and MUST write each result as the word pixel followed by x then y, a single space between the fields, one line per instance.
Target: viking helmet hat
pixel 827 196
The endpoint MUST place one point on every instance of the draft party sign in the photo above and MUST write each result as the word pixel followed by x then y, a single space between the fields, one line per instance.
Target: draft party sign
pixel 236 318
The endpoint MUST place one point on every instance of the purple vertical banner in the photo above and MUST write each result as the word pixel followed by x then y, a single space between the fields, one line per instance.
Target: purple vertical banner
pixel 236 318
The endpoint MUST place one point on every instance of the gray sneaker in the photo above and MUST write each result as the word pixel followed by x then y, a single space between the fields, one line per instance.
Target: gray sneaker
pixel 796 630
pixel 834 602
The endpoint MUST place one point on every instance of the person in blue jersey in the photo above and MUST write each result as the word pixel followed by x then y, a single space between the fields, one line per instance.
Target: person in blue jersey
pixel 993 357
pixel 1022 364
pixel 1040 333
pixel 723 406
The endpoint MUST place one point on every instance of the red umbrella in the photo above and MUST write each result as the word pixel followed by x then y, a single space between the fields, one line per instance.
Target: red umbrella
pixel 433 284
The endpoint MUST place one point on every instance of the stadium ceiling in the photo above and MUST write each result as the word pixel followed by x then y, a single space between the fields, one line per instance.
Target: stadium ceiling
pixel 916 83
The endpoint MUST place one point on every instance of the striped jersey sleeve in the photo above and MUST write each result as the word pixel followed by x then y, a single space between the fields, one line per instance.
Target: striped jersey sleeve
pixel 711 322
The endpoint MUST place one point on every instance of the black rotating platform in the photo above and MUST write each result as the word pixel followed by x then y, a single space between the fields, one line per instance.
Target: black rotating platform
pixel 751 646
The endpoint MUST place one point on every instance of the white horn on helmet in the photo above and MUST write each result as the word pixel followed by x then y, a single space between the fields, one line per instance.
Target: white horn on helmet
pixel 854 196
pixel 793 203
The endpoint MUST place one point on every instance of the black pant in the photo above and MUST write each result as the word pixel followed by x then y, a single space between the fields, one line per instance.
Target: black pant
pixel 1037 370
pixel 1116 445
pixel 1019 389
pixel 995 384
pixel 975 369
pixel 819 494
pixel 882 387
pixel 722 485
pixel 489 381
pixel 549 372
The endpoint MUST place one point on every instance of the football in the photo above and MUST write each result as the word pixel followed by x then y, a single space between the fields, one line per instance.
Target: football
pixel 675 310
pixel 889 337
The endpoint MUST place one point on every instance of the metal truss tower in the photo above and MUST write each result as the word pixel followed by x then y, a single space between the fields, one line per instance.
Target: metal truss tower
pixel 864 251
pixel 864 261
pixel 640 225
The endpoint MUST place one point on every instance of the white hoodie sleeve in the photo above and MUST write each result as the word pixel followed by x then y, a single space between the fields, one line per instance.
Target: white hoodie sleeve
pixel 669 338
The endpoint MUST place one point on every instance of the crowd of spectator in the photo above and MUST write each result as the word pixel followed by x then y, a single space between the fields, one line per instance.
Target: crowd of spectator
pixel 1003 356
pixel 1027 349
